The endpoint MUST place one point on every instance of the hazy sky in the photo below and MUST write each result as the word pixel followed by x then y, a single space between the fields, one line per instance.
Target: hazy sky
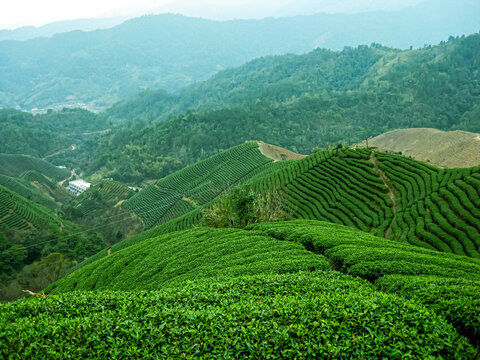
pixel 15 13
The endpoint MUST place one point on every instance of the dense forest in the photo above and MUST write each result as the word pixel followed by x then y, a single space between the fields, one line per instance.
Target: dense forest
pixel 296 101
pixel 169 52
pixel 292 102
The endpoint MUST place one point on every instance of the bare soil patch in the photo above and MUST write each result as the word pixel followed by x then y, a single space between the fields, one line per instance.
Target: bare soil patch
pixel 450 149
pixel 277 153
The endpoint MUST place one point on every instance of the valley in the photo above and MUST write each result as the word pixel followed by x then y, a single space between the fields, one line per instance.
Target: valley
pixel 244 195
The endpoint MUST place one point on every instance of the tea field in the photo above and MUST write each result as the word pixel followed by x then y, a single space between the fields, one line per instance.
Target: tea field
pixel 299 289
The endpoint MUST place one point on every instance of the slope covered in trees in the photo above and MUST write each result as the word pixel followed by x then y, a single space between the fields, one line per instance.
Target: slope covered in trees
pixel 65 137
pixel 295 103
pixel 171 51
pixel 271 306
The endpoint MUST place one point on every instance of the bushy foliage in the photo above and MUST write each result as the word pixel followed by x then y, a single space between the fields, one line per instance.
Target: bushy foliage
pixel 455 299
pixel 446 283
pixel 195 186
pixel 304 315
pixel 242 206
pixel 204 253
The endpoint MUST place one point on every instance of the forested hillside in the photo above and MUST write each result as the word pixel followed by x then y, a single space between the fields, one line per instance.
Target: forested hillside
pixel 300 102
pixel 169 52
pixel 296 101
pixel 66 137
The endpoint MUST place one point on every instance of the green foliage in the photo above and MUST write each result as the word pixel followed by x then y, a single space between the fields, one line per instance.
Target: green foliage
pixel 454 299
pixel 66 137
pixel 303 102
pixel 15 164
pixel 304 315
pixel 100 67
pixel 18 213
pixel 25 189
pixel 36 276
pixel 205 253
pixel 242 206
pixel 446 283
pixel 197 185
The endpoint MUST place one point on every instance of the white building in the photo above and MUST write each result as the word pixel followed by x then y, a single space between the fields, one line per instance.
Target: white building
pixel 78 186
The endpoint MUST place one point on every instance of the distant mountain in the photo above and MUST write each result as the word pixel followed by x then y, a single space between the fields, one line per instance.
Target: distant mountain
pixel 452 149
pixel 31 32
pixel 298 102
pixel 98 68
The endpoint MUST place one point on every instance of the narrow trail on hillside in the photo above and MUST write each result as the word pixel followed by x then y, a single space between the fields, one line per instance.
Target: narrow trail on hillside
pixel 391 190
pixel 72 174
pixel 70 148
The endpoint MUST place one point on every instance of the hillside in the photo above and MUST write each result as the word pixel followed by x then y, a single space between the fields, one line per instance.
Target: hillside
pixel 272 307
pixel 100 208
pixel 25 189
pixel 382 193
pixel 195 186
pixel 298 102
pixel 66 137
pixel 15 164
pixel 453 149
pixel 18 213
pixel 97 68
pixel 31 32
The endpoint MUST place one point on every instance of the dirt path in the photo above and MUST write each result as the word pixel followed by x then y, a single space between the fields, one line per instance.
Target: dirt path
pixel 391 190
pixel 71 148
pixel 71 176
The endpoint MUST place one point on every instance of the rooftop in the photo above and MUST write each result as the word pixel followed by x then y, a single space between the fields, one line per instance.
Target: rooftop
pixel 80 183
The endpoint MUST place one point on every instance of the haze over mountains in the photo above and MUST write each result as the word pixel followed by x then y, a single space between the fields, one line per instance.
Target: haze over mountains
pixel 96 69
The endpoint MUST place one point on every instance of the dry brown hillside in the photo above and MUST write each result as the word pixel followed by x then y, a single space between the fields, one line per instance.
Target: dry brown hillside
pixel 452 149
pixel 278 153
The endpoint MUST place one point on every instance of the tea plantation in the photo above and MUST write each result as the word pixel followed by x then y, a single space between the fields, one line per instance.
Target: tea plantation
pixel 386 194
pixel 18 213
pixel 298 289
pixel 197 185
pixel 16 164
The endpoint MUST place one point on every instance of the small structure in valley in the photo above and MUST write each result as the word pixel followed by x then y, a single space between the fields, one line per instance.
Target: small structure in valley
pixel 78 186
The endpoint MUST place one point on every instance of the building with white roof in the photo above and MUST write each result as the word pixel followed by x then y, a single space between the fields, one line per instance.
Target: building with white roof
pixel 78 186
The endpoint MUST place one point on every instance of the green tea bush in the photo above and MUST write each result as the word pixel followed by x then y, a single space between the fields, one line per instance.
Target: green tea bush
pixel 456 299
pixel 191 254
pixel 301 316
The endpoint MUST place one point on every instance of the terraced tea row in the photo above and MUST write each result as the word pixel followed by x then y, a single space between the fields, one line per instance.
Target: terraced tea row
pixel 276 248
pixel 301 315
pixel 382 193
pixel 445 283
pixel 16 164
pixel 386 194
pixel 194 186
pixel 205 252
pixel 25 189
pixel 18 213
